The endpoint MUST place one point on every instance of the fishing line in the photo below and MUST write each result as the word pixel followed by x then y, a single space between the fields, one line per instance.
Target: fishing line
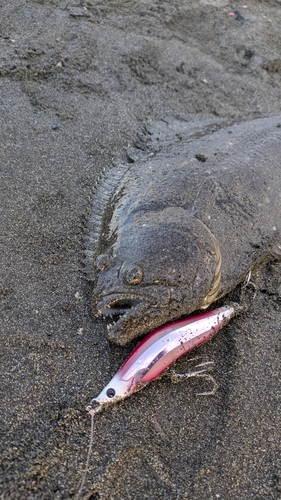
pixel 87 466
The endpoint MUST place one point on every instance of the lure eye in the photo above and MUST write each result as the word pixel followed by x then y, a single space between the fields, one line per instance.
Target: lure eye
pixel 101 262
pixel 133 275
pixel 110 393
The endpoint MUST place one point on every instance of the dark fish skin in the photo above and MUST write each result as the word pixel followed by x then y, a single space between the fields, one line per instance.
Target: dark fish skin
pixel 174 232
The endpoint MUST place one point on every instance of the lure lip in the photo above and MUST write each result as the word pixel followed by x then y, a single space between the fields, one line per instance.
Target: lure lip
pixel 158 350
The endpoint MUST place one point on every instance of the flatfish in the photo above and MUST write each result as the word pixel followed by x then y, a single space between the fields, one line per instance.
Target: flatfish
pixel 175 231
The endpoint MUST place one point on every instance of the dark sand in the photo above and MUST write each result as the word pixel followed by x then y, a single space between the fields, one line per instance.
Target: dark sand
pixel 78 82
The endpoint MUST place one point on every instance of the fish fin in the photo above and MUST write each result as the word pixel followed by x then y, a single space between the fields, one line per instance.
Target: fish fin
pixel 205 200
pixel 173 130
pixel 103 193
pixel 141 147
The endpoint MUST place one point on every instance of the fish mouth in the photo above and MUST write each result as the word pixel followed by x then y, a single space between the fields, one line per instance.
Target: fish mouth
pixel 126 316
pixel 116 306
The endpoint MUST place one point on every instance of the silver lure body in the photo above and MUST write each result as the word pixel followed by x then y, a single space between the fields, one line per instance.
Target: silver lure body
pixel 157 351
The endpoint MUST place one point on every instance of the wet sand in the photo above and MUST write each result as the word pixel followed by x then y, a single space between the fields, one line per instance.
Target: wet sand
pixel 78 82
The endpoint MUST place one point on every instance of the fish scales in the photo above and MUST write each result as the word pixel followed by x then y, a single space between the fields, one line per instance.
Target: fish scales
pixel 182 228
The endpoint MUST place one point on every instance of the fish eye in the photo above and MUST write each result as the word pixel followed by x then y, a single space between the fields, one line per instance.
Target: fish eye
pixel 101 262
pixel 110 393
pixel 133 275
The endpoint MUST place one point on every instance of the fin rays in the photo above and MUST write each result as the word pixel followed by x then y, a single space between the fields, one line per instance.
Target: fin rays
pixel 104 192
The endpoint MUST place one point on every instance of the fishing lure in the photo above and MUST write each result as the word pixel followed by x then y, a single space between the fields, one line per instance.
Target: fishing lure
pixel 154 354
pixel 157 351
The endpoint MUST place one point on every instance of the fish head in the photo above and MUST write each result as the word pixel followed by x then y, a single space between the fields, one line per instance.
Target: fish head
pixel 162 265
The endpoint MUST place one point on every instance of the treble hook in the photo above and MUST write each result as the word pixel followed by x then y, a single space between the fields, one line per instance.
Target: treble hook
pixel 247 283
pixel 179 377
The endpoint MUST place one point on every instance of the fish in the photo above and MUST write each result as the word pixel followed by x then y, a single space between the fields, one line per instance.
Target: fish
pixel 177 230
pixel 159 350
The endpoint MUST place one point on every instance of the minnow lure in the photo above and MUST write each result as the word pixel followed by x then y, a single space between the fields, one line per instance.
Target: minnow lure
pixel 157 351
pixel 154 354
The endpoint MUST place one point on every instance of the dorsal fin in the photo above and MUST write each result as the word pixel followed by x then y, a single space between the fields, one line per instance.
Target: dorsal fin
pixel 103 193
